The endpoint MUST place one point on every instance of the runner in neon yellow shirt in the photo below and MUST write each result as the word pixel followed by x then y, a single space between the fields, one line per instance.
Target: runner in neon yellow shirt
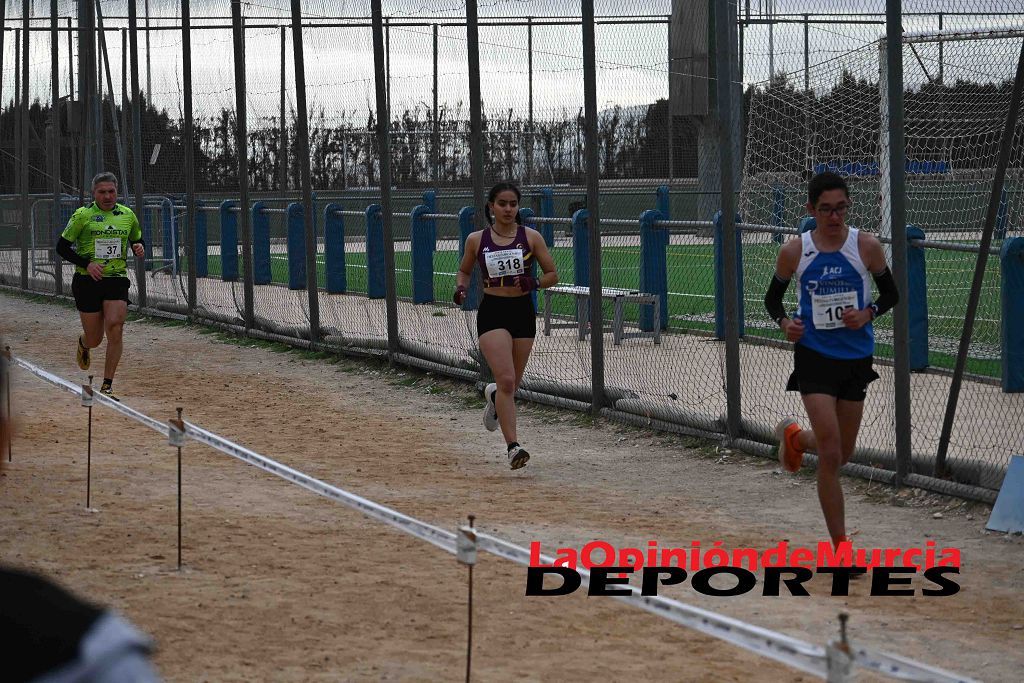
pixel 97 240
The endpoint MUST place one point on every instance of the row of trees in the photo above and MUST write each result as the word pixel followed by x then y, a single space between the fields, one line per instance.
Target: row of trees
pixel 789 129
pixel 786 128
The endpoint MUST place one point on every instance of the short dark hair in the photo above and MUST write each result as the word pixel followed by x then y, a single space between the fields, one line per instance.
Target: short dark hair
pixel 824 182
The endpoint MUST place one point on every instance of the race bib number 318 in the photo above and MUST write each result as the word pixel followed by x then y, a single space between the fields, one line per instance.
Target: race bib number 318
pixel 504 263
pixel 828 309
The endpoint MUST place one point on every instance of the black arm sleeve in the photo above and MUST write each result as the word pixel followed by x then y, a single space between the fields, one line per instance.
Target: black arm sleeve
pixel 134 242
pixel 773 298
pixel 69 254
pixel 888 294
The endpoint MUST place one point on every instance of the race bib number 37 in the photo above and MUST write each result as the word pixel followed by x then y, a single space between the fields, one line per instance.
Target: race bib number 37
pixel 107 248
pixel 828 309
pixel 504 263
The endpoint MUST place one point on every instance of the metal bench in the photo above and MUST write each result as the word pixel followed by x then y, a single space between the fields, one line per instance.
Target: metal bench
pixel 620 297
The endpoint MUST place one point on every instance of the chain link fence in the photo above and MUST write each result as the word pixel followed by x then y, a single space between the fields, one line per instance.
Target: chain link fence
pixel 463 99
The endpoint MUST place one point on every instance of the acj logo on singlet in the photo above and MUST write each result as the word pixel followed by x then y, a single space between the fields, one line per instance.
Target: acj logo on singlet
pixel 831 281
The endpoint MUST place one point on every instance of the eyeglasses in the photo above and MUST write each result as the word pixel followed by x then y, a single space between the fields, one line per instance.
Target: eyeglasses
pixel 838 210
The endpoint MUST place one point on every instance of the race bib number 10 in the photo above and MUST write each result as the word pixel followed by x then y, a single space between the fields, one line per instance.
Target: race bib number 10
pixel 828 309
pixel 107 248
pixel 504 263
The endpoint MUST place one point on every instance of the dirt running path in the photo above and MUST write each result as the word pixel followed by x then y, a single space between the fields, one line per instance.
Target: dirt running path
pixel 280 584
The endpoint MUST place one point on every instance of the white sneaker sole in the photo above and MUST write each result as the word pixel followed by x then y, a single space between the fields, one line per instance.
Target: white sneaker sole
pixel 490 411
pixel 780 433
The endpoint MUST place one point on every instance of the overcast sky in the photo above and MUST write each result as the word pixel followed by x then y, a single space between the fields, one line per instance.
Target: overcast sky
pixel 633 58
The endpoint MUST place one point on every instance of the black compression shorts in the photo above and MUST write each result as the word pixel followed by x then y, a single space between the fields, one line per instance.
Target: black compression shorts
pixel 515 314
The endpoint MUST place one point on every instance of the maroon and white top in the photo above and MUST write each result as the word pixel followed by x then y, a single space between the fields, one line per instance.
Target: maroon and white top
pixel 500 263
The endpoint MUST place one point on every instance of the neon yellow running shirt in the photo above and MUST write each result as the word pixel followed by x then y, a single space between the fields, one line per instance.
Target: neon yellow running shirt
pixel 104 237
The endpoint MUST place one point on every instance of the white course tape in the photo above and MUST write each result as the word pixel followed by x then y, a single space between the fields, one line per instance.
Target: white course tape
pixel 76 389
pixel 903 669
pixel 807 657
pixel 49 377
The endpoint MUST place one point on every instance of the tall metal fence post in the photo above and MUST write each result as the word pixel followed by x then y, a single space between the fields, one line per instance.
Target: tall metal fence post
pixel 384 145
pixel 435 124
pixel 26 207
pixel 191 213
pixel 242 146
pixel 724 26
pixel 283 123
pixel 137 186
pixel 308 211
pixel 476 143
pixel 55 141
pixel 593 165
pixel 898 228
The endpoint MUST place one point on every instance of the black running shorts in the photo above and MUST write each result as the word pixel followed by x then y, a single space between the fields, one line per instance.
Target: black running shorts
pixel 90 294
pixel 846 379
pixel 515 314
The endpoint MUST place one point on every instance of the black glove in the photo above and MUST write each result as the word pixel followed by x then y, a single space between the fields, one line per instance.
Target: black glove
pixel 460 295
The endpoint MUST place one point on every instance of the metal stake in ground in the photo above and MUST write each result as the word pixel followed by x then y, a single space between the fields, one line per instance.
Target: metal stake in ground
pixel 465 552
pixel 176 437
pixel 87 402
pixel 840 656
pixel 7 390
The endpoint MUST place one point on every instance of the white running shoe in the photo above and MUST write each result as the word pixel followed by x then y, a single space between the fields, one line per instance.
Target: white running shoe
pixel 490 411
pixel 517 456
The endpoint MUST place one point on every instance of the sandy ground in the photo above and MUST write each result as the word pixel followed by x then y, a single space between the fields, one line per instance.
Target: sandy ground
pixel 279 584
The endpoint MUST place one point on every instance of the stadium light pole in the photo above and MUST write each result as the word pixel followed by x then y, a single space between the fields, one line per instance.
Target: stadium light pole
pixel 190 175
pixel 593 166
pixel 898 231
pixel 384 144
pixel 302 143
